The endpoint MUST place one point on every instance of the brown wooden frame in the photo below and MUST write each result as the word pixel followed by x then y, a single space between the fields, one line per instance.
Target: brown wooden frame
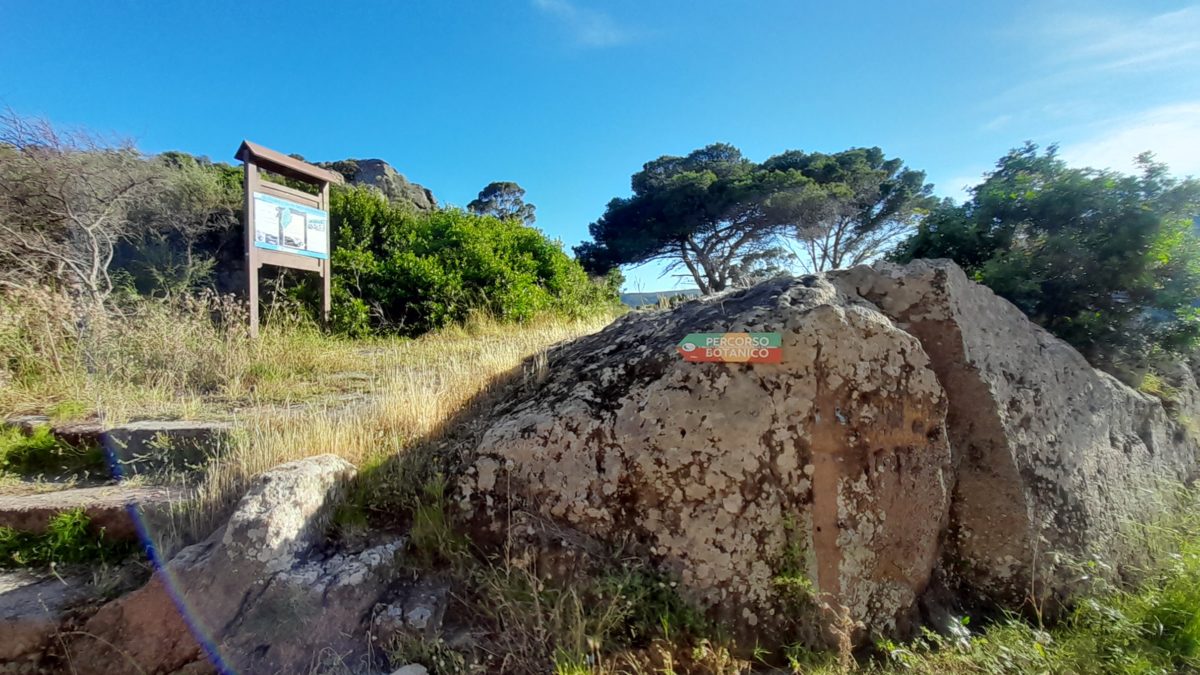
pixel 255 157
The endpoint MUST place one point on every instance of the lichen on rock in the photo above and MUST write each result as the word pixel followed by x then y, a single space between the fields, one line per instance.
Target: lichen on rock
pixel 920 430
pixel 700 465
pixel 1053 458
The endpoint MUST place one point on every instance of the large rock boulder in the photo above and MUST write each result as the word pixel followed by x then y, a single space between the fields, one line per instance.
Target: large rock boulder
pixel 1053 458
pixel 719 473
pixel 832 465
pixel 258 595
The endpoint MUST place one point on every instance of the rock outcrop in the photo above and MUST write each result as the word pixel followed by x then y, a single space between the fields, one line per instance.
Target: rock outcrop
pixel 1052 457
pixel 836 458
pixel 919 427
pixel 31 608
pixel 258 595
pixel 380 175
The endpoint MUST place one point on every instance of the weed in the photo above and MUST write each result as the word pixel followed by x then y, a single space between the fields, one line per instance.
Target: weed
pixel 1191 427
pixel 1156 386
pixel 1152 626
pixel 608 620
pixel 42 453
pixel 67 539
pixel 802 659
pixel 67 411
pixel 433 535
pixel 652 607
pixel 791 567
pixel 433 653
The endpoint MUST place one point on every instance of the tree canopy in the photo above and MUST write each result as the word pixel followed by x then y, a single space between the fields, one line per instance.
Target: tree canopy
pixel 726 220
pixel 504 200
pixel 1109 262
pixel 867 203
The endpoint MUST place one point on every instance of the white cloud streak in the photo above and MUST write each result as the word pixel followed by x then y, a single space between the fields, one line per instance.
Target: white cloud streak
pixel 588 27
pixel 1130 44
pixel 1171 132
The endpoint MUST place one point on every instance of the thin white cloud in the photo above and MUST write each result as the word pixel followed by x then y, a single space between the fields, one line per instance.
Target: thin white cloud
pixel 1171 132
pixel 588 27
pixel 996 123
pixel 1124 43
pixel 1079 59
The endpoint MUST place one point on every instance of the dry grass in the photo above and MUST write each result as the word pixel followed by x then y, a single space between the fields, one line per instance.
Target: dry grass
pixel 151 358
pixel 414 386
pixel 294 392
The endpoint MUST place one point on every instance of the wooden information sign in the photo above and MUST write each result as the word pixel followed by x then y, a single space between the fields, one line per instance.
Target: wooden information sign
pixel 285 227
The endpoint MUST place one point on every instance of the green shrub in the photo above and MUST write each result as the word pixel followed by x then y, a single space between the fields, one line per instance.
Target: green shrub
pixel 408 272
pixel 1107 261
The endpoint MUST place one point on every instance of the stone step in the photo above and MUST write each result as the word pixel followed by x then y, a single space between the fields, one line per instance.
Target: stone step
pixel 152 446
pixel 26 424
pixel 141 447
pixel 111 507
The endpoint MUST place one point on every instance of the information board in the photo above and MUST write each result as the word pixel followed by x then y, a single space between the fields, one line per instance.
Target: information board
pixel 283 225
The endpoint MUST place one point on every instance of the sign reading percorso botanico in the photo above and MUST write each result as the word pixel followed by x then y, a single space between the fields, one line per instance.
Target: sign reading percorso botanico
pixel 731 348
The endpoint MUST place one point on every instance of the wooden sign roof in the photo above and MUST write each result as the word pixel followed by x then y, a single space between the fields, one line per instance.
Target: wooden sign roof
pixel 280 163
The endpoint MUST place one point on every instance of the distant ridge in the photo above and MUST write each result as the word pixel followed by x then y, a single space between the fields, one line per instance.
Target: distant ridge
pixel 653 298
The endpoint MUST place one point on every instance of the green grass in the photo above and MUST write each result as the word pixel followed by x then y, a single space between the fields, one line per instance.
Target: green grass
pixel 438 657
pixel 539 622
pixel 41 453
pixel 623 617
pixel 67 411
pixel 68 539
pixel 791 566
pixel 433 536
pixel 1152 626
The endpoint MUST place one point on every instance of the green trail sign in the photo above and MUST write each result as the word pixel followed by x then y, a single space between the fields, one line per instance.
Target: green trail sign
pixel 731 348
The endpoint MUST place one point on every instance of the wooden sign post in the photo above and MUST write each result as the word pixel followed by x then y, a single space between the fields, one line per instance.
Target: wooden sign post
pixel 285 227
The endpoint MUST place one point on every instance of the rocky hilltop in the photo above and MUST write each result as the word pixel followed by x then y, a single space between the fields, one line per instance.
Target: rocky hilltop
pixel 380 175
pixel 921 443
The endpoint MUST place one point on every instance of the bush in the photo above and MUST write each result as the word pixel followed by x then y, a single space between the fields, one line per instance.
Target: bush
pixel 409 272
pixel 1106 261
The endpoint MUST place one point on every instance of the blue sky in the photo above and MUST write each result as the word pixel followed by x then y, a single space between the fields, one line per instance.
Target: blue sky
pixel 570 97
